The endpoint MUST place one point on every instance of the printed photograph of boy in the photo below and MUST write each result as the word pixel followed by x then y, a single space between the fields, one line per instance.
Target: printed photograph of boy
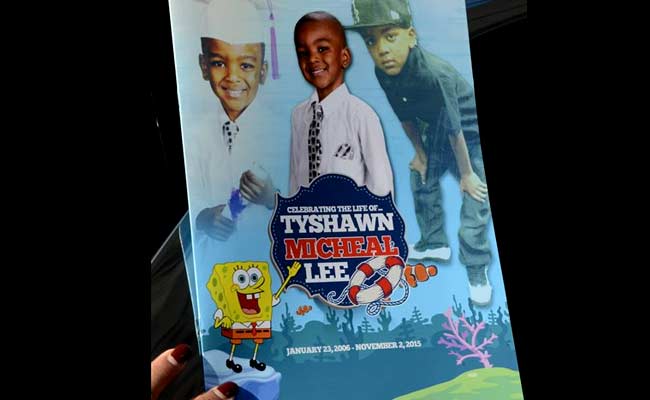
pixel 224 170
pixel 333 131
pixel 437 110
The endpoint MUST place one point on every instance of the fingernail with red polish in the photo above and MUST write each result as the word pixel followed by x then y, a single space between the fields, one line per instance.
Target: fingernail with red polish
pixel 181 353
pixel 228 389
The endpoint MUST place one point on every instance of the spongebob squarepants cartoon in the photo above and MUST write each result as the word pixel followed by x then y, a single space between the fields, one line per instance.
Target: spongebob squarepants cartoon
pixel 242 292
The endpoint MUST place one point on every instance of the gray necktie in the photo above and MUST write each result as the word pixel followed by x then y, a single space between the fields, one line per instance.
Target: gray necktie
pixel 230 131
pixel 314 144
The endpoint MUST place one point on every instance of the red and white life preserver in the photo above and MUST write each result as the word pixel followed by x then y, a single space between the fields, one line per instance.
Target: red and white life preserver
pixel 382 287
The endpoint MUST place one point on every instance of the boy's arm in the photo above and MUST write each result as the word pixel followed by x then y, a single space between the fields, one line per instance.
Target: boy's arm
pixel 379 174
pixel 209 218
pixel 420 161
pixel 212 222
pixel 414 137
pixel 257 190
pixel 469 181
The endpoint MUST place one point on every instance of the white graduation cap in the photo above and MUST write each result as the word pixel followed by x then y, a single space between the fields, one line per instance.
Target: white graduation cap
pixel 233 21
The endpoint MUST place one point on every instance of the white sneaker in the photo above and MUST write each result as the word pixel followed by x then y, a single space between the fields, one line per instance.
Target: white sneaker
pixel 439 254
pixel 480 290
pixel 480 295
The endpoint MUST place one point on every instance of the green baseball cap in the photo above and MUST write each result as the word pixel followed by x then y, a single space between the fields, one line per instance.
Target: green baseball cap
pixel 370 13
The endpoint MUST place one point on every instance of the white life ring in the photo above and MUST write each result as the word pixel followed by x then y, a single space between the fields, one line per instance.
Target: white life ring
pixel 382 287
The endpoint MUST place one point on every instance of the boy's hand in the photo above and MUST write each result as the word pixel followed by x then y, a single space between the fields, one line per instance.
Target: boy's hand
pixel 419 164
pixel 473 185
pixel 214 224
pixel 256 190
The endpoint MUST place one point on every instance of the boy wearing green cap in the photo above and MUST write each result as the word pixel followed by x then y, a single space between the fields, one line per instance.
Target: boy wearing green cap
pixel 437 110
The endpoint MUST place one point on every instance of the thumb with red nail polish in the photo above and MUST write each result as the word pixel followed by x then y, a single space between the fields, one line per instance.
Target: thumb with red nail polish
pixel 167 366
pixel 226 391
pixel 180 354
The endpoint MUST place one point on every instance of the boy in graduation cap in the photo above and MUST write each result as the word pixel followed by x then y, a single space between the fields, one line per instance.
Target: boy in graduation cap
pixel 227 149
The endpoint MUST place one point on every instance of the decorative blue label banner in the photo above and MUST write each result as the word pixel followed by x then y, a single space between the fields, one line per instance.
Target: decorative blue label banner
pixel 350 243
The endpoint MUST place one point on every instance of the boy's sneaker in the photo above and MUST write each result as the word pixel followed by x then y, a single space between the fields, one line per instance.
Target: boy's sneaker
pixel 439 254
pixel 480 290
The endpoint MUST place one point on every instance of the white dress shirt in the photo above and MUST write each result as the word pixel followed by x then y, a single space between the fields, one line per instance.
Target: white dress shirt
pixel 352 143
pixel 261 145
pixel 213 172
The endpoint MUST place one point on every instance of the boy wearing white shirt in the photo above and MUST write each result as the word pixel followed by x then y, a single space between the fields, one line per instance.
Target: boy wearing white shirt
pixel 333 132
pixel 232 61
pixel 231 203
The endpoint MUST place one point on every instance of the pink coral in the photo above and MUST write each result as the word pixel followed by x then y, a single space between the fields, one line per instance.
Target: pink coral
pixel 458 339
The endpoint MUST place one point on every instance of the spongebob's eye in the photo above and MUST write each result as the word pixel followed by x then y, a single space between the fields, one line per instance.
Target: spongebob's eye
pixel 240 278
pixel 254 275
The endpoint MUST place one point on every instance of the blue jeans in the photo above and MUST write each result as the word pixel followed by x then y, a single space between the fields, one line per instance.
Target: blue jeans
pixel 474 215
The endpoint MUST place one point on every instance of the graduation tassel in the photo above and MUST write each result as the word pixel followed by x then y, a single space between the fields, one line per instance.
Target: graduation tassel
pixel 275 73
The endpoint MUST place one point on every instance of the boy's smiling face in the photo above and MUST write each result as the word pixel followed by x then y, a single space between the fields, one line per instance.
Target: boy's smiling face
pixel 389 46
pixel 234 72
pixel 322 55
